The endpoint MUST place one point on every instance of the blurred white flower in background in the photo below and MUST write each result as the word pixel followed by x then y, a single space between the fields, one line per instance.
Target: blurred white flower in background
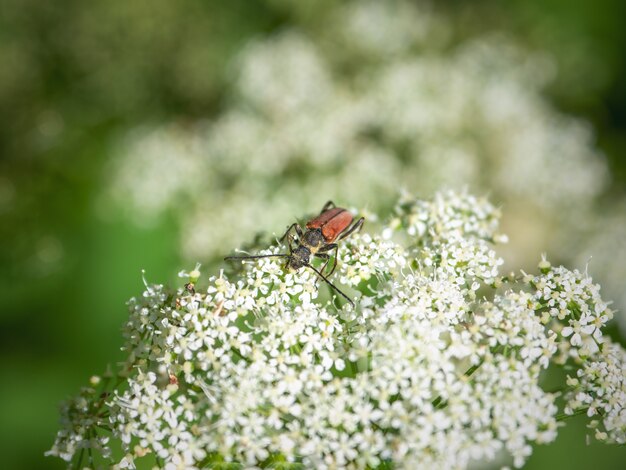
pixel 370 99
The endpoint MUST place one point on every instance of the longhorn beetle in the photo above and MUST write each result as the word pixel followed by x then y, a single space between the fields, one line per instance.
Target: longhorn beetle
pixel 332 224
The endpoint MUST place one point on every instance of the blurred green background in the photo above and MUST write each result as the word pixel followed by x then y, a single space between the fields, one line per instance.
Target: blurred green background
pixel 76 76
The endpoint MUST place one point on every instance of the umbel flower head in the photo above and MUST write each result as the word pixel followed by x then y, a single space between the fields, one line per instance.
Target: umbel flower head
pixel 438 364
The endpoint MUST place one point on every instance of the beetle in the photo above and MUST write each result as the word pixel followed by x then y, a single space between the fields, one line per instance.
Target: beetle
pixel 318 239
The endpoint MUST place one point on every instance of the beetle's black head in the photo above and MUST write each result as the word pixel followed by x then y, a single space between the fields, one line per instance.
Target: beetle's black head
pixel 299 258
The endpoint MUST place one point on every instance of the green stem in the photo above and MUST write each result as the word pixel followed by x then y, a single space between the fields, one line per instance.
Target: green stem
pixel 436 401
pixel 92 433
pixel 80 459
pixel 564 416
pixel 352 370
pixel 473 369
pixel 236 351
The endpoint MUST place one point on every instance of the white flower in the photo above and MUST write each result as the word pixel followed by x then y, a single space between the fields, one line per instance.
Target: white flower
pixel 422 370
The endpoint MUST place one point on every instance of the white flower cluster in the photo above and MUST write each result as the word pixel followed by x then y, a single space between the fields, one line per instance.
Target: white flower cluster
pixel 599 390
pixel 80 418
pixel 570 304
pixel 572 299
pixel 438 363
pixel 454 234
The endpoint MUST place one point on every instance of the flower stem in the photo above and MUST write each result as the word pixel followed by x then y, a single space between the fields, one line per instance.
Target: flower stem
pixel 564 416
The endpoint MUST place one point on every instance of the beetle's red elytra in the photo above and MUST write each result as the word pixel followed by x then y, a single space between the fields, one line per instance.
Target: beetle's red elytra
pixel 332 224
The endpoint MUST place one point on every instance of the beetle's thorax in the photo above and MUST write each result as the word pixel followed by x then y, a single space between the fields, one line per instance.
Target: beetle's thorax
pixel 313 240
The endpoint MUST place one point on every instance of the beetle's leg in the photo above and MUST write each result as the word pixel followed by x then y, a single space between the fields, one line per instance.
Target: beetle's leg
pixel 288 234
pixel 357 226
pixel 328 205
pixel 330 246
pixel 323 250
pixel 295 240
pixel 335 260
pixel 323 256
pixel 299 231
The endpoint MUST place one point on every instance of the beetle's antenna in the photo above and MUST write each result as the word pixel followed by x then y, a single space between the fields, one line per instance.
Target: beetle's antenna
pixel 330 284
pixel 280 255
